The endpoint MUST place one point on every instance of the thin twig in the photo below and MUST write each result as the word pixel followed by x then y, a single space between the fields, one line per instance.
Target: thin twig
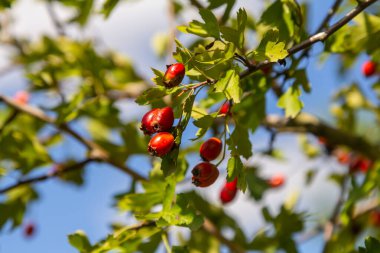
pixel 54 18
pixel 55 173
pixel 306 123
pixel 96 152
pixel 210 228
pixel 318 37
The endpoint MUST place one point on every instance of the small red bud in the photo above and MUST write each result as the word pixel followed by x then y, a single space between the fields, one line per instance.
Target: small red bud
pixel 225 108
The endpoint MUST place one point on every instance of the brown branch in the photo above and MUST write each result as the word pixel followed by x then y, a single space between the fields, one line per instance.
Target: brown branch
pixel 329 15
pixel 210 228
pixel 96 152
pixel 54 18
pixel 306 123
pixel 318 37
pixel 55 173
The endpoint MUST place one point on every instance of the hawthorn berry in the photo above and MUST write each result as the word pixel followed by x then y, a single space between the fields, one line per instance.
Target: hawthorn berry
pixel 174 75
pixel 276 180
pixel 161 144
pixel 29 229
pixel 228 192
pixel 342 156
pixel 375 218
pixel 157 120
pixel 210 149
pixel 368 68
pixel 225 108
pixel 22 97
pixel 204 174
pixel 359 163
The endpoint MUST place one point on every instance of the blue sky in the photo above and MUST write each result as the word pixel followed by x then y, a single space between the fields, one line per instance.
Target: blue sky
pixel 65 208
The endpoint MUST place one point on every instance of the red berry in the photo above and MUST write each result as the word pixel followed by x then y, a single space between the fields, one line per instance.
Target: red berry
pixel 157 120
pixel 276 181
pixel 22 97
pixel 210 149
pixel 161 144
pixel 375 218
pixel 342 156
pixel 360 163
pixel 225 108
pixel 29 230
pixel 369 68
pixel 204 174
pixel 174 75
pixel 146 122
pixel 228 192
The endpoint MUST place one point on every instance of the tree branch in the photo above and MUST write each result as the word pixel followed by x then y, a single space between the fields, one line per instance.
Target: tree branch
pixel 306 123
pixel 210 228
pixel 55 173
pixel 318 37
pixel 96 152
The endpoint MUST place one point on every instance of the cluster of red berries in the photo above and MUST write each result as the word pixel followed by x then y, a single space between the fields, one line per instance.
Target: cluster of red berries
pixel 356 162
pixel 369 68
pixel 206 173
pixel 159 121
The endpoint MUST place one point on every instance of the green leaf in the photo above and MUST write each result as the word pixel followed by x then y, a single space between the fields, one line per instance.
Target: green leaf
pixel 208 29
pixel 108 7
pixel 235 168
pixel 239 142
pixel 80 241
pixel 290 101
pixel 270 48
pixel 256 185
pixel 372 245
pixel 153 94
pixel 230 86
pixel 251 110
pixel 204 123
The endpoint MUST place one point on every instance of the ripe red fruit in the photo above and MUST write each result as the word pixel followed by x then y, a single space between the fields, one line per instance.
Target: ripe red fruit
pixel 22 97
pixel 29 230
pixel 210 149
pixel 161 144
pixel 228 192
pixel 375 218
pixel 342 156
pixel 276 180
pixel 204 174
pixel 225 108
pixel 368 68
pixel 174 75
pixel 157 120
pixel 360 163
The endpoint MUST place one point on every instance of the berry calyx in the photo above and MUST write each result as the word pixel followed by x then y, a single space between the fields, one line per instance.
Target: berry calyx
pixel 276 181
pixel 174 75
pixel 210 149
pixel 157 120
pixel 204 174
pixel 29 230
pixel 21 97
pixel 368 68
pixel 228 192
pixel 161 144
pixel 225 108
